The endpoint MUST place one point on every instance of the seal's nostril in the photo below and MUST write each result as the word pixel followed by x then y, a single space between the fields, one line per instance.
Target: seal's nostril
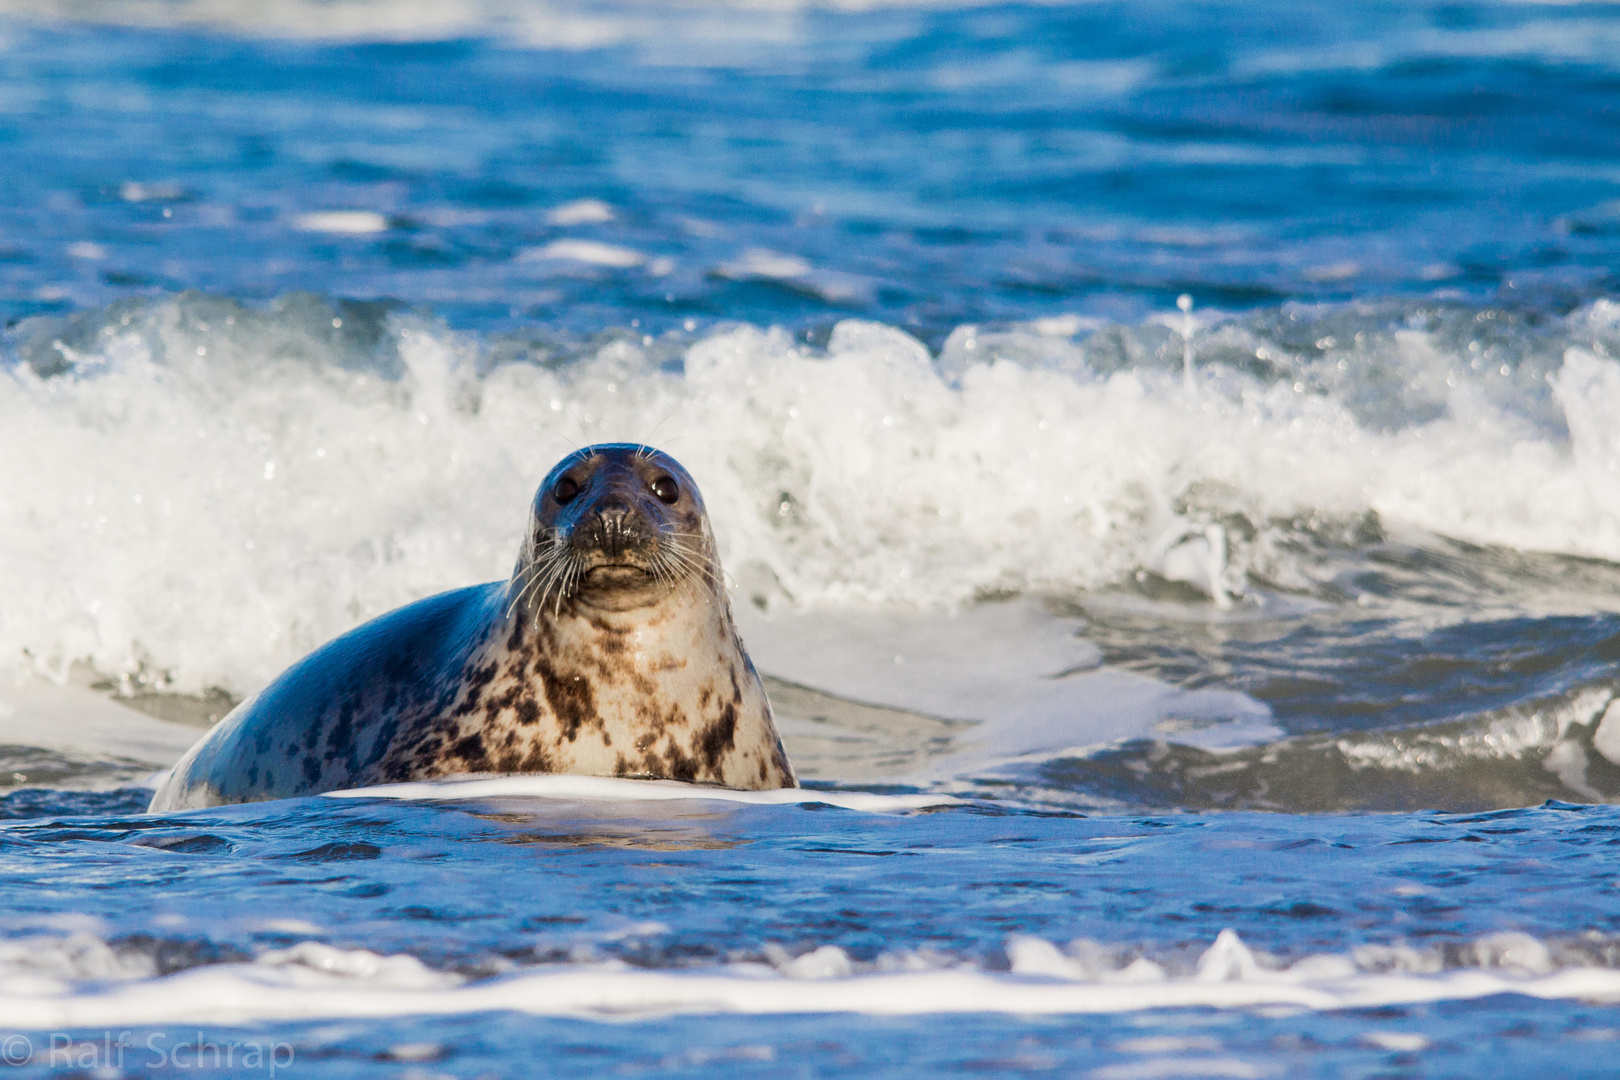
pixel 612 528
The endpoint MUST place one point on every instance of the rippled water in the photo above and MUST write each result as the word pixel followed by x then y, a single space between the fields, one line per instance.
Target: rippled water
pixel 789 940
pixel 1054 585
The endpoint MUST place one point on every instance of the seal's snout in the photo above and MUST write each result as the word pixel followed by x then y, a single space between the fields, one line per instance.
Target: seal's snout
pixel 616 529
pixel 610 524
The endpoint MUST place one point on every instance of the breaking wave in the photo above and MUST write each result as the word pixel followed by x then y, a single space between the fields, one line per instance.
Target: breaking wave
pixel 81 981
pixel 201 491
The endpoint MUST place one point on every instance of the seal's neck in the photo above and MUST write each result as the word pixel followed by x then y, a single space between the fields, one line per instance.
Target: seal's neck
pixel 680 619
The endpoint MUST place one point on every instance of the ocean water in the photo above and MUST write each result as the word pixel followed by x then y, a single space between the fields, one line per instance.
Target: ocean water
pixel 1164 456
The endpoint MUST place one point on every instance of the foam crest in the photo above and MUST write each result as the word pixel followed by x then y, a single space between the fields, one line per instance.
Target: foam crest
pixel 314 981
pixel 612 789
pixel 1555 748
pixel 47 965
pixel 202 492
pixel 553 24
pixel 314 964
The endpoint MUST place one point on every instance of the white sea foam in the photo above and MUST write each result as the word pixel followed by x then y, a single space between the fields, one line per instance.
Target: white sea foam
pixel 1024 675
pixel 673 28
pixel 593 252
pixel 49 965
pixel 212 492
pixel 311 980
pixel 837 286
pixel 612 789
pixel 37 712
pixel 580 212
pixel 348 222
pixel 539 23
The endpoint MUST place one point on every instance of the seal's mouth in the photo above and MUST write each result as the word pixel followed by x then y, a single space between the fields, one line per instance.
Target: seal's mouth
pixel 617 574
pixel 610 563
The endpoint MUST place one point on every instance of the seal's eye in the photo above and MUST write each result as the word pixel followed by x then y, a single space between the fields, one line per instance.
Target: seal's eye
pixel 666 489
pixel 565 490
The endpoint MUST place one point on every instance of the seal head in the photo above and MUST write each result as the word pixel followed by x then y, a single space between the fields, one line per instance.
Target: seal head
pixel 614 528
pixel 611 651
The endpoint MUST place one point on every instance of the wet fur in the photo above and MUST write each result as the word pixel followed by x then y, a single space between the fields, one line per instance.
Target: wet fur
pixel 536 674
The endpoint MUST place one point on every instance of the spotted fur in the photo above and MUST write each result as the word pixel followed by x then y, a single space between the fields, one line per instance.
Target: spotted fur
pixel 611 651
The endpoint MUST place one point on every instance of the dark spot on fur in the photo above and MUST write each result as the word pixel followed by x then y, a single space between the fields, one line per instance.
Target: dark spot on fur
pixel 535 761
pixel 570 697
pixel 312 769
pixel 471 750
pixel 312 736
pixel 476 679
pixel 717 738
pixel 414 759
pixel 340 738
pixel 548 638
pixel 644 685
pixel 678 764
pixel 499 702
pixel 527 711
pixel 651 718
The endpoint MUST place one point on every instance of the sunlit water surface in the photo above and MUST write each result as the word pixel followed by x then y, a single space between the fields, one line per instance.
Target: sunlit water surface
pixel 1213 692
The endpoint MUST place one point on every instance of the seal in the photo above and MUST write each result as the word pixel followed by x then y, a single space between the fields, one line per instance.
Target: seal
pixel 611 651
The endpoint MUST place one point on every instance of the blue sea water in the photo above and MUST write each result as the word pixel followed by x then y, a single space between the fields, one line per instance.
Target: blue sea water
pixel 932 166
pixel 1259 655
pixel 486 890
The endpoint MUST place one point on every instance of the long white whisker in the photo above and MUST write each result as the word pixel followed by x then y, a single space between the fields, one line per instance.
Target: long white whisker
pixel 692 562
pixel 520 585
pixel 559 580
pixel 537 583
pixel 532 572
pixel 552 565
pixel 568 583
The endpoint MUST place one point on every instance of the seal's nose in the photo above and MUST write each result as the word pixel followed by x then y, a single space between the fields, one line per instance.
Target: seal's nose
pixel 612 524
